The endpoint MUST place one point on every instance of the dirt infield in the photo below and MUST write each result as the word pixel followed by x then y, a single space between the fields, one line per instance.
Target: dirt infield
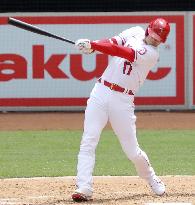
pixel 108 190
pixel 64 121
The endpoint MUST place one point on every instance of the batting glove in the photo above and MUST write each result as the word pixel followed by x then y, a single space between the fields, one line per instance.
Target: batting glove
pixel 84 46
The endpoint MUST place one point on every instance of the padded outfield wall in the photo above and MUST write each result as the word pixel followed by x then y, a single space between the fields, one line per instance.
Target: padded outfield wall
pixel 41 73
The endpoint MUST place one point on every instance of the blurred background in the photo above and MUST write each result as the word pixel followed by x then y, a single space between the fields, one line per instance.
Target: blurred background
pixel 38 73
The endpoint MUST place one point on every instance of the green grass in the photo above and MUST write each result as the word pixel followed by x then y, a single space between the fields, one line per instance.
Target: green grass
pixel 54 153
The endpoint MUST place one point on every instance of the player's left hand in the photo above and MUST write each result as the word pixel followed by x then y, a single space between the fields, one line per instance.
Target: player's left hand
pixel 84 46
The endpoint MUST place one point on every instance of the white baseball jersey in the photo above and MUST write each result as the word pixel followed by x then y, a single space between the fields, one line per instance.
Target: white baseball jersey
pixel 106 105
pixel 131 75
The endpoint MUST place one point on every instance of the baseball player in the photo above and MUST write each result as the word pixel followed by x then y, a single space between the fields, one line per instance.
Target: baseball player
pixel 134 53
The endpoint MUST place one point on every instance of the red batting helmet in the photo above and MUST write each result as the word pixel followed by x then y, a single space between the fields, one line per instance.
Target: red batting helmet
pixel 159 29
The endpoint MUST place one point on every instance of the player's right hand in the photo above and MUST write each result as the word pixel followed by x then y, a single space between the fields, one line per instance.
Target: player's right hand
pixel 84 46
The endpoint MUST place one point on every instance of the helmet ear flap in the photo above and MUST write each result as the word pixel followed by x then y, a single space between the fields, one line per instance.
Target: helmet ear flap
pixel 146 32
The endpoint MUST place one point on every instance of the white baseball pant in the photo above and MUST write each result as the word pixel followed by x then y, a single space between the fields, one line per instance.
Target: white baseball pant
pixel 105 104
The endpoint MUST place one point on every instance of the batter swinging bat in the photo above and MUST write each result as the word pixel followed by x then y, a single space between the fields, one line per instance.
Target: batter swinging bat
pixel 35 29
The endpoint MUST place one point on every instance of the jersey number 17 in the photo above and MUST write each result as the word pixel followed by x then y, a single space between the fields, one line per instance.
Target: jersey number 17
pixel 127 68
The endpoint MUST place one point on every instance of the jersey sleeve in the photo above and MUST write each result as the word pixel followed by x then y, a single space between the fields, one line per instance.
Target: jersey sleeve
pixel 114 40
pixel 123 37
pixel 114 50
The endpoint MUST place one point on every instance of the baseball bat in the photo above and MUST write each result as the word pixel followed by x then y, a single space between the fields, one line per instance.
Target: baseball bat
pixel 35 29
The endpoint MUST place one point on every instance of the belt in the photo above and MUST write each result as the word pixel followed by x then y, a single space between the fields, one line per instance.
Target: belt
pixel 115 87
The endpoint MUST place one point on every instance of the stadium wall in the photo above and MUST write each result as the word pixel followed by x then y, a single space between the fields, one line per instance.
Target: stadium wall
pixel 38 73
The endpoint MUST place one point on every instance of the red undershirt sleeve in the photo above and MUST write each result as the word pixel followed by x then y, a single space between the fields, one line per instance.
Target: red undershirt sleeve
pixel 114 50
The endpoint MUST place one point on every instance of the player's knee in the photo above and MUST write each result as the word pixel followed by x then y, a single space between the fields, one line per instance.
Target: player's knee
pixel 89 148
pixel 138 155
pixel 88 143
pixel 133 154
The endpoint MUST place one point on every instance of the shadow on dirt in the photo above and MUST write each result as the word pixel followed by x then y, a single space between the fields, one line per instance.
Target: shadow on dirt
pixel 135 198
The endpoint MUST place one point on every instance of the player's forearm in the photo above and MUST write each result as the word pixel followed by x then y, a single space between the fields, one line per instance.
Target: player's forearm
pixel 114 50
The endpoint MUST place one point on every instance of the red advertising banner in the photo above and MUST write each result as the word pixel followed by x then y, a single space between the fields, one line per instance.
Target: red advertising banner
pixel 169 74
